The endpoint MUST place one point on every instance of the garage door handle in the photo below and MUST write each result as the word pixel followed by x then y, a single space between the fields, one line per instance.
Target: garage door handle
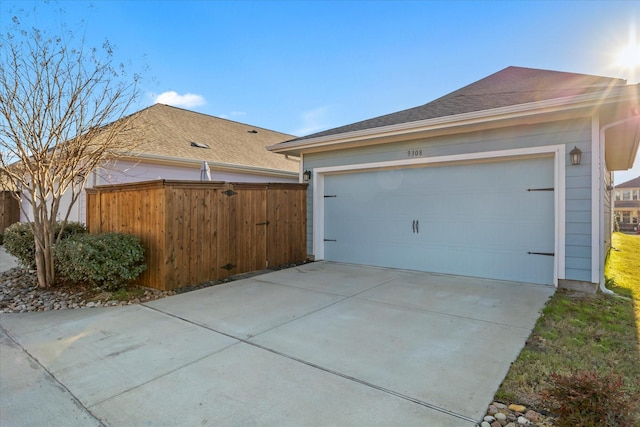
pixel 413 226
pixel 417 226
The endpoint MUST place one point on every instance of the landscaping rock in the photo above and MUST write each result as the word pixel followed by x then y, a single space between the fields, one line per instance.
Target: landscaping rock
pixel 516 415
pixel 19 293
pixel 532 416
pixel 523 421
pixel 517 408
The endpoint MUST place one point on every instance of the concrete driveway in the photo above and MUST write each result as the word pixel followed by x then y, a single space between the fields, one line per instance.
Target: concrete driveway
pixel 319 344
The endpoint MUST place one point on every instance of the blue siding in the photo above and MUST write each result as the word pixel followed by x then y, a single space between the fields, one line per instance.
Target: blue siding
pixel 576 132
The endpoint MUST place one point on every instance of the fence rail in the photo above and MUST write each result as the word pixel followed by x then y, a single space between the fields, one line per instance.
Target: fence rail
pixel 198 231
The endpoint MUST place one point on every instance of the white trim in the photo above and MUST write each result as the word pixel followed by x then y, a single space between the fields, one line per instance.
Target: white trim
pixel 597 211
pixel 560 212
pixel 228 167
pixel 558 151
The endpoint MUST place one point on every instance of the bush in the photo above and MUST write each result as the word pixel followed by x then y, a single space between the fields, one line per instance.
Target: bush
pixel 19 240
pixel 109 261
pixel 584 398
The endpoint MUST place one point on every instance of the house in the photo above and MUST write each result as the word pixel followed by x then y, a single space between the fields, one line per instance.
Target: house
pixel 175 143
pixel 505 178
pixel 627 204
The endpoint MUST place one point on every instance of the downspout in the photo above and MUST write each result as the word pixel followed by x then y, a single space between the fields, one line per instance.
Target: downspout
pixel 603 288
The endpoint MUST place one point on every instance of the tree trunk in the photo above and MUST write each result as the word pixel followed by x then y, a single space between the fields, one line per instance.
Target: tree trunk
pixel 44 253
pixel 40 266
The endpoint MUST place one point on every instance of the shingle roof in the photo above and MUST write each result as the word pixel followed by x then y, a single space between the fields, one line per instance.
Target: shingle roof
pixel 170 131
pixel 510 86
pixel 634 183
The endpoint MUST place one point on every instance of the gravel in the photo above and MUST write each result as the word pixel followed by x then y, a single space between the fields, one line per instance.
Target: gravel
pixel 19 293
pixel 514 415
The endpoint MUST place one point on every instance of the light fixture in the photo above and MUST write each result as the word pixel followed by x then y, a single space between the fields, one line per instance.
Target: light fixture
pixel 306 176
pixel 576 156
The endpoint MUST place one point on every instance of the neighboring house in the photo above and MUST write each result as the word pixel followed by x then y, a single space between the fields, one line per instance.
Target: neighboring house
pixel 175 143
pixel 627 204
pixel 479 182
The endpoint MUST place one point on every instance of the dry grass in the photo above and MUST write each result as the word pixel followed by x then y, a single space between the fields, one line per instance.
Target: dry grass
pixel 577 332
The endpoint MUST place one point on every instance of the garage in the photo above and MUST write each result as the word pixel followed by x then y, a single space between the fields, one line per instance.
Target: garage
pixel 489 219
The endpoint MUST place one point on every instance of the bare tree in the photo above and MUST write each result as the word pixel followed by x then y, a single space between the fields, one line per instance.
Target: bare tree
pixel 62 115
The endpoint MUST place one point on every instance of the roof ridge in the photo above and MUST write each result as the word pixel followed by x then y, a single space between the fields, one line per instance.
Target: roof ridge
pixel 216 117
pixel 528 91
pixel 558 72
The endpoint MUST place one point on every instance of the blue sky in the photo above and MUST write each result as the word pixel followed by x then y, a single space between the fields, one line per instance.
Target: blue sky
pixel 301 67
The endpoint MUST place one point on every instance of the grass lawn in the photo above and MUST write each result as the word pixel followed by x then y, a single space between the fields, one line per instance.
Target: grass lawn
pixel 585 332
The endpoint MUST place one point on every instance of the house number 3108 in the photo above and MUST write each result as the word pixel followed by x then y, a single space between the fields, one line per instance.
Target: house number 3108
pixel 414 153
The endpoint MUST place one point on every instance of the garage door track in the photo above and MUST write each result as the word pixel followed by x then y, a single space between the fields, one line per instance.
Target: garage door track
pixel 319 344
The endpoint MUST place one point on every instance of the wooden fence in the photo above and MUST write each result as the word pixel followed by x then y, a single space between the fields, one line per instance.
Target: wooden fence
pixel 199 231
pixel 9 210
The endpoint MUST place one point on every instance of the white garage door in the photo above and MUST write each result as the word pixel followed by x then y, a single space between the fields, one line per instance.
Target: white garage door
pixel 491 219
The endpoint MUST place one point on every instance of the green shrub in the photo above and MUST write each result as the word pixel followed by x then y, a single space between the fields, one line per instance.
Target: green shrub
pixel 19 240
pixel 585 398
pixel 109 261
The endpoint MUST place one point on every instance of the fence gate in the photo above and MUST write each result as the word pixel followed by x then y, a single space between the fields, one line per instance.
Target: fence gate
pixel 9 210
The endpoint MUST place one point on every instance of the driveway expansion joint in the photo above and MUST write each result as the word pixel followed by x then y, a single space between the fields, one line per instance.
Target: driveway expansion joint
pixel 316 366
pixel 442 313
pixel 53 377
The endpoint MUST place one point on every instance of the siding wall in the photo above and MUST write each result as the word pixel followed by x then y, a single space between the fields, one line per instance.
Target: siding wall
pixel 576 132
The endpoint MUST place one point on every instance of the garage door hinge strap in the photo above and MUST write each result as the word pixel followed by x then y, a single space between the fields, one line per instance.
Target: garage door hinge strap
pixel 542 253
pixel 540 189
pixel 330 196
pixel 330 240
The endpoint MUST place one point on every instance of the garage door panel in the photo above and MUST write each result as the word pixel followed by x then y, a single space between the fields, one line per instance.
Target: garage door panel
pixel 473 219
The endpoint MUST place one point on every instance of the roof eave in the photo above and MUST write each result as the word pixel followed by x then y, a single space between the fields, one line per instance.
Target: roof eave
pixel 453 121
pixel 227 167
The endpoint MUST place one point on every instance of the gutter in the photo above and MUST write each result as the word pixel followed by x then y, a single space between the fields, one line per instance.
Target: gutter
pixel 230 167
pixel 474 117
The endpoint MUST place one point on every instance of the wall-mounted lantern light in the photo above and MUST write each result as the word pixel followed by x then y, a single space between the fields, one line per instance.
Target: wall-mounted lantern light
pixel 306 176
pixel 576 156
